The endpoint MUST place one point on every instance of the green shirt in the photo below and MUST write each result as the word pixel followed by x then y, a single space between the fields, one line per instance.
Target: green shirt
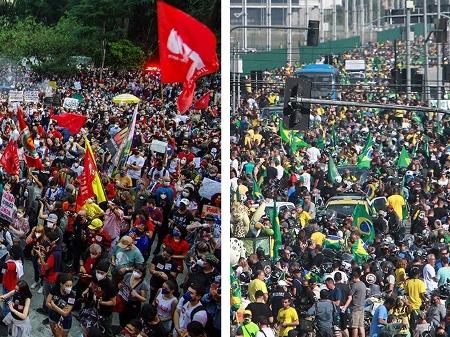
pixel 249 329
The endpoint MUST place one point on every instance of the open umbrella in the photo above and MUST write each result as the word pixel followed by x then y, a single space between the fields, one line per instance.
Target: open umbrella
pixel 125 98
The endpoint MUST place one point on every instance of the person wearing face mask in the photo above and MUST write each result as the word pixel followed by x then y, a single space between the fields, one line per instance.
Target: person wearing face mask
pixel 176 240
pixel 125 256
pixel 123 180
pixel 204 271
pixel 98 234
pixel 166 189
pixel 180 216
pixel 20 227
pixel 50 262
pixel 60 302
pixel 151 322
pixel 133 291
pixel 77 168
pixel 12 271
pixel 162 268
pixel 37 240
pixel 166 303
pixel 132 329
pixel 185 154
pixel 189 309
pixel 101 295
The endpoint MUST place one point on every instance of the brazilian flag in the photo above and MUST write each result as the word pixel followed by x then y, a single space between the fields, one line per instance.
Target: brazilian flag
pixel 236 295
pixel 359 253
pixel 276 230
pixel 332 242
pixel 365 158
pixel 361 220
pixel 404 159
pixel 256 190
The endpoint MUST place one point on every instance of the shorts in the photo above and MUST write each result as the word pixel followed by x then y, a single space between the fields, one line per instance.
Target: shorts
pixel 357 317
pixel 54 318
pixel 344 320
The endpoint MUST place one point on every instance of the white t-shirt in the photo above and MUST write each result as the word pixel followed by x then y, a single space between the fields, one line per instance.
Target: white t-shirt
pixel 265 332
pixel 343 274
pixel 280 172
pixel 139 161
pixel 428 274
pixel 313 154
pixel 185 314
pixel 306 180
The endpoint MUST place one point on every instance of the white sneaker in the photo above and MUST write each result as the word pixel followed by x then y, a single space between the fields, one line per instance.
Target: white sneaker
pixel 40 291
pixel 34 285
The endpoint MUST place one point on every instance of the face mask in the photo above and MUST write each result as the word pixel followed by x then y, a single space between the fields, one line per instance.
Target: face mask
pixel 137 274
pixel 164 291
pixel 167 183
pixel 201 263
pixel 99 276
pixel 187 296
pixel 183 161
pixel 185 194
pixel 38 235
pixel 68 290
pixel 163 196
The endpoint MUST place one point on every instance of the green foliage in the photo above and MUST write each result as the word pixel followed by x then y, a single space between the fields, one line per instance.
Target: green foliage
pixel 126 55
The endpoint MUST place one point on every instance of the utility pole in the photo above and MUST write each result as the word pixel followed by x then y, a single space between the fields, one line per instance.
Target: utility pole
pixel 289 42
pixel 307 17
pixel 354 18
pixel 268 23
pixel 334 21
pixel 439 59
pixel 370 20
pixel 322 21
pixel 346 17
pixel 425 72
pixel 362 22
pixel 408 51
pixel 379 14
pixel 244 9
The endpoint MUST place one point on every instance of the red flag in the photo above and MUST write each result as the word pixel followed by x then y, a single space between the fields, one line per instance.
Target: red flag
pixel 30 154
pixel 187 48
pixel 10 159
pixel 203 102
pixel 184 100
pixel 70 121
pixel 87 177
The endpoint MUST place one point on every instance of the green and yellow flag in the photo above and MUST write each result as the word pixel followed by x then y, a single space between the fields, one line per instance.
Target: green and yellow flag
pixel 362 221
pixel 360 254
pixel 236 295
pixel 365 158
pixel 404 159
pixel 291 137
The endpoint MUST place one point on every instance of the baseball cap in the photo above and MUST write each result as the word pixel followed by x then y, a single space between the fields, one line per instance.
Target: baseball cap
pixel 53 218
pixel 185 201
pixel 96 224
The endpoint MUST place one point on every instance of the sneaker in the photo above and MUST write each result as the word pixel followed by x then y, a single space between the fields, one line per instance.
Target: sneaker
pixel 40 290
pixel 34 285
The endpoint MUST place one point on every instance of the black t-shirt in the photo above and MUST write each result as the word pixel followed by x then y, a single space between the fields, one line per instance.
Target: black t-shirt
pixel 163 266
pixel 202 278
pixel 276 301
pixel 105 290
pixel 62 300
pixel 154 330
pixel 258 310
pixel 19 304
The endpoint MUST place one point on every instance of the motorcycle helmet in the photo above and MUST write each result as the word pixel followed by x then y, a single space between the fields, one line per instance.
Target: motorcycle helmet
pixel 245 277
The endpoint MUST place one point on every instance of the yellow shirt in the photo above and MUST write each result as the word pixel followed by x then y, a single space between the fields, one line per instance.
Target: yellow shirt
pixel 288 315
pixel 255 285
pixel 318 238
pixel 303 218
pixel 400 277
pixel 397 202
pixel 414 288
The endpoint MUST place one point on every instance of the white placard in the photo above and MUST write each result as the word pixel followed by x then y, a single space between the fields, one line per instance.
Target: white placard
pixel 31 96
pixel 209 188
pixel 77 85
pixel 7 207
pixel 15 96
pixel 70 103
pixel 158 146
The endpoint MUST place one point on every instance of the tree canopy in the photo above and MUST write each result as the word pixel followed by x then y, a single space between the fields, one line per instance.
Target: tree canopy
pixel 51 32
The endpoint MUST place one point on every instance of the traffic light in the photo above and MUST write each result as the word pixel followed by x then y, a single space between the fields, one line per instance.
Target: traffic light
pixel 441 30
pixel 313 33
pixel 256 77
pixel 296 115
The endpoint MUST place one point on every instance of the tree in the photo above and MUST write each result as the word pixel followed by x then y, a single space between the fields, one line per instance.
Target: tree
pixel 126 55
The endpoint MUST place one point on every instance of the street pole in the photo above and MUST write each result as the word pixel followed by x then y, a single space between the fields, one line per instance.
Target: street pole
pixel 354 18
pixel 307 17
pixel 234 79
pixel 370 20
pixel 439 59
pixel 379 14
pixel 408 52
pixel 244 9
pixel 322 31
pixel 268 23
pixel 362 22
pixel 425 33
pixel 289 42
pixel 334 21
pixel 346 17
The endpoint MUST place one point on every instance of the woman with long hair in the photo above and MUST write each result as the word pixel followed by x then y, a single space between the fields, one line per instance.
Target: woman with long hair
pixel 38 242
pixel 166 302
pixel 60 302
pixel 18 301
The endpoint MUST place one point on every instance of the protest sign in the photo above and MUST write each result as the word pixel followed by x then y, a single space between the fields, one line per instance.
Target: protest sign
pixel 15 96
pixel 70 103
pixel 210 210
pixel 158 146
pixel 7 207
pixel 209 188
pixel 31 96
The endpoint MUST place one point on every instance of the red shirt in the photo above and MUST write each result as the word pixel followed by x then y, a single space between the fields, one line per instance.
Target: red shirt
pixel 102 238
pixel 179 247
pixel 149 224
pixel 10 276
pixel 50 274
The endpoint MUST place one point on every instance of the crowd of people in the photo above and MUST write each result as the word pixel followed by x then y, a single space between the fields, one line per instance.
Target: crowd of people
pixel 390 281
pixel 147 257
